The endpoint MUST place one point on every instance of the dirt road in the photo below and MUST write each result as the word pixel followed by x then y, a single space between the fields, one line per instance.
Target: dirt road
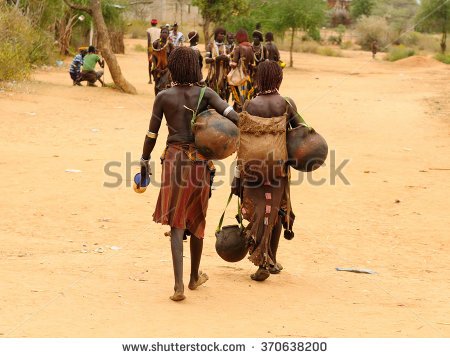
pixel 82 259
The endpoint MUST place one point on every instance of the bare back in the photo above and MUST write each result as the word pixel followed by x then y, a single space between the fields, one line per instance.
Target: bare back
pixel 244 52
pixel 178 104
pixel 273 105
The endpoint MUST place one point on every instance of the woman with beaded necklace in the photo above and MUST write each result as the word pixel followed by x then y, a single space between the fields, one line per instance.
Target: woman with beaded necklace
pixel 243 56
pixel 219 64
pixel 266 202
pixel 161 49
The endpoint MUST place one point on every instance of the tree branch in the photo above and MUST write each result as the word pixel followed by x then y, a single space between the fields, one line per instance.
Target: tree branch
pixel 78 7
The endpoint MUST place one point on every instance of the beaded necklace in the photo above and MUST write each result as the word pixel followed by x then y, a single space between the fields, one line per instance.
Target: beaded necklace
pixel 258 51
pixel 271 91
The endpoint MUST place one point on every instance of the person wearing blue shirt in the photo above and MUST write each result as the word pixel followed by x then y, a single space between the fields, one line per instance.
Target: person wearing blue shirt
pixel 75 67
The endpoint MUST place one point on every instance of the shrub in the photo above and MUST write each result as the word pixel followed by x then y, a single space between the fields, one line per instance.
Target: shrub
pixel 445 58
pixel 140 48
pixel 334 40
pixel 308 46
pixel 21 45
pixel 373 28
pixel 315 48
pixel 410 39
pixel 347 45
pixel 138 29
pixel 314 34
pixel 329 51
pixel 429 43
pixel 399 52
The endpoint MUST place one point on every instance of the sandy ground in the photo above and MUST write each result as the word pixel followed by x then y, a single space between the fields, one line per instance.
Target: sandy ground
pixel 60 277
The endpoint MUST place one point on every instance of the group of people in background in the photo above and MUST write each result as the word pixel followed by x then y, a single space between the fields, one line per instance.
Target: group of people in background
pixel 225 53
pixel 83 68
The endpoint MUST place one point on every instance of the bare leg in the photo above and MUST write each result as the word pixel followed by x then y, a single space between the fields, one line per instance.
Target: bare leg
pixel 150 64
pixel 197 278
pixel 274 241
pixel 176 244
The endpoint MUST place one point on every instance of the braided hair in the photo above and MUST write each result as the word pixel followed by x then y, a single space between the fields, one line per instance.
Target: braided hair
pixel 268 76
pixel 184 66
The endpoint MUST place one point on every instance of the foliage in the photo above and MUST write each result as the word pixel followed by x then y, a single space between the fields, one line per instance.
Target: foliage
pixel 314 33
pixel 295 15
pixel 314 48
pixel 347 45
pixel 361 8
pixel 307 47
pixel 399 52
pixel 373 28
pixel 21 45
pixel 138 29
pixel 140 48
pixel 398 13
pixel 328 51
pixel 217 12
pixel 434 15
pixel 445 58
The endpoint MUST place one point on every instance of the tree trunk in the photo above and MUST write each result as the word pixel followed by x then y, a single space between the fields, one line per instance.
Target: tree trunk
pixel 105 47
pixel 206 23
pixel 291 49
pixel 444 41
pixel 64 28
pixel 181 14
pixel 117 44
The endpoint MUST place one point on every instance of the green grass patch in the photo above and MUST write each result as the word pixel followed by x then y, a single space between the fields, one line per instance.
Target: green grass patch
pixel 140 48
pixel 399 52
pixel 443 57
pixel 329 51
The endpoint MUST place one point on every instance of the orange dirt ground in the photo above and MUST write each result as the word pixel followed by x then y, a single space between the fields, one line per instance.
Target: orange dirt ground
pixel 60 277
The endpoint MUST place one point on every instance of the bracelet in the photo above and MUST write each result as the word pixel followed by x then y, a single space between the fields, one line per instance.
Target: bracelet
pixel 152 135
pixel 237 172
pixel 227 110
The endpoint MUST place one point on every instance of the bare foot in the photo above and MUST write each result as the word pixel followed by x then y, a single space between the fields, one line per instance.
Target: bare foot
pixel 260 275
pixel 202 278
pixel 276 269
pixel 177 296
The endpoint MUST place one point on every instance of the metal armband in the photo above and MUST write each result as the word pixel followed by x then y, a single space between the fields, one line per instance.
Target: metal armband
pixel 152 135
pixel 227 110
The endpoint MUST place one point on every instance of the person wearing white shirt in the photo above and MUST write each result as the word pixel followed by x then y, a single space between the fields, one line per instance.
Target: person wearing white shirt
pixel 175 36
pixel 153 34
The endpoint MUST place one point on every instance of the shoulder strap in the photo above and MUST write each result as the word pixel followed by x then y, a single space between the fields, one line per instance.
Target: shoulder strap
pixel 302 121
pixel 219 227
pixel 194 114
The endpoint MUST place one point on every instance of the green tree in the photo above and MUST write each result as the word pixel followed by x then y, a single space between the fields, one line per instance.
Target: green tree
pixel 399 13
pixel 361 7
pixel 434 15
pixel 295 15
pixel 218 11
pixel 94 9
